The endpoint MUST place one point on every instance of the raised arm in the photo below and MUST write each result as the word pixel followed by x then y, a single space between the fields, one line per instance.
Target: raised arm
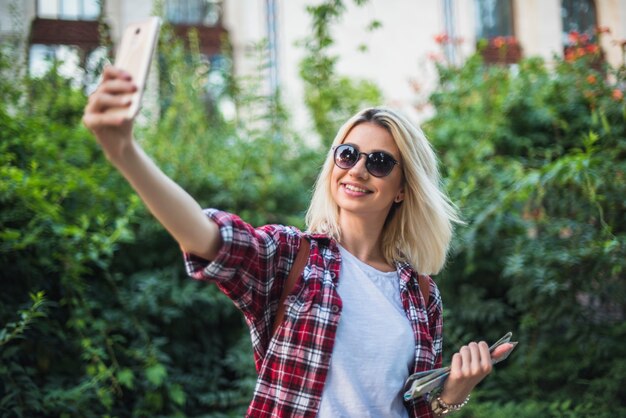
pixel 173 207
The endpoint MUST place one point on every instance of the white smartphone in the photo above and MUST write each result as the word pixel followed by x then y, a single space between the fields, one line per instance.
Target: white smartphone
pixel 134 56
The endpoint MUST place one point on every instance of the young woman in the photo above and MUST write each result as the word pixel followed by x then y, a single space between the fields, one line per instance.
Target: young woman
pixel 356 324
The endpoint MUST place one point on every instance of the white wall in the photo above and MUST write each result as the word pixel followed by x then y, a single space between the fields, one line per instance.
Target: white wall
pixel 15 17
pixel 120 13
pixel 612 14
pixel 396 53
pixel 398 58
pixel 538 26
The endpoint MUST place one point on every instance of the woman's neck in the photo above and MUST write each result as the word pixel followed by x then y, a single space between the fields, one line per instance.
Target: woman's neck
pixel 363 239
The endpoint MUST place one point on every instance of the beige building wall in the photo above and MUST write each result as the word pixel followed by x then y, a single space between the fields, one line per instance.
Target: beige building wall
pixel 120 13
pixel 396 55
pixel 538 27
pixel 612 14
pixel 399 56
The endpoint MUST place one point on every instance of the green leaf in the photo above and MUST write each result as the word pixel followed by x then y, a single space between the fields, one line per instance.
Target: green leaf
pixel 374 24
pixel 177 394
pixel 156 374
pixel 126 378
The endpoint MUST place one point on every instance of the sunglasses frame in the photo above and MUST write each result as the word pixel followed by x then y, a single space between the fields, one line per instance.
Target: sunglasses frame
pixel 367 159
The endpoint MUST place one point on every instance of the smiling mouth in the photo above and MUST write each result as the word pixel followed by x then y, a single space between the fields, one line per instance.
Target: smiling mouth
pixel 355 189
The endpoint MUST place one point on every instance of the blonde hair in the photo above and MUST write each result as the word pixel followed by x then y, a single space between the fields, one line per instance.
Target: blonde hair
pixel 419 229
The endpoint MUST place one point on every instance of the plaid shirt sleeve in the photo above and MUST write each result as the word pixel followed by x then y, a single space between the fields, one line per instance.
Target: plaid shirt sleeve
pixel 435 321
pixel 420 408
pixel 250 267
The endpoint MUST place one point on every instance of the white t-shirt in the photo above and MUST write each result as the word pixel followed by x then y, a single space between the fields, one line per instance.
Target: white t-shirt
pixel 374 347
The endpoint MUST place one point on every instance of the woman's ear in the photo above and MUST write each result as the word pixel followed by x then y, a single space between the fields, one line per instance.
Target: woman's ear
pixel 399 197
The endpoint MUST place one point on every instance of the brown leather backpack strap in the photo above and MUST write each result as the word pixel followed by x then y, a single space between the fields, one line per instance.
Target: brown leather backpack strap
pixel 296 271
pixel 424 288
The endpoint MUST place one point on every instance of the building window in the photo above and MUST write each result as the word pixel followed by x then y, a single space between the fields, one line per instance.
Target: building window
pixel 68 9
pixel 66 58
pixel 69 62
pixel 495 18
pixel 194 12
pixel 496 32
pixel 578 16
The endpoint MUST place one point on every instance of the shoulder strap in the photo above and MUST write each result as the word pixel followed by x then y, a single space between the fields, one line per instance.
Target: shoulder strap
pixel 296 271
pixel 424 288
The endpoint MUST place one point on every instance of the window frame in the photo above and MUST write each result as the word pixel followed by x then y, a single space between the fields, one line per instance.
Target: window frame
pixel 60 14
pixel 480 26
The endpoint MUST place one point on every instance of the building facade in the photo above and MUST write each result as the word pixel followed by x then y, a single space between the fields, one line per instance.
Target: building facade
pixel 399 56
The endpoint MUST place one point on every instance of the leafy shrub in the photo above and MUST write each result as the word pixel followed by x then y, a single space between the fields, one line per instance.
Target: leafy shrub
pixel 535 157
pixel 122 331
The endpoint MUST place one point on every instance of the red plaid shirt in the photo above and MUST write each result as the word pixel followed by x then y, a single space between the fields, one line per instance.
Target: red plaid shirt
pixel 251 269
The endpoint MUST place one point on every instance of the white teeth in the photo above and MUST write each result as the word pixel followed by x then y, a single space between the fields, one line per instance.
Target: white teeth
pixel 354 188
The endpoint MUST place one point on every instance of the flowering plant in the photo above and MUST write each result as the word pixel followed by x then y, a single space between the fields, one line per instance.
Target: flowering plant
pixel 500 50
pixel 582 45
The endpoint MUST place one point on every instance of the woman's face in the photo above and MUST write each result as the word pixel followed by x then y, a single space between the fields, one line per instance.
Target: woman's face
pixel 355 190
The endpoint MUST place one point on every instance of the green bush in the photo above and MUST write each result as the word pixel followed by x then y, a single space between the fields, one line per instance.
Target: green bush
pixel 97 317
pixel 121 330
pixel 535 157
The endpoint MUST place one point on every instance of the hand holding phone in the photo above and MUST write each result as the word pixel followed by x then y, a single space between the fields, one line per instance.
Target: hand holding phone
pixel 134 56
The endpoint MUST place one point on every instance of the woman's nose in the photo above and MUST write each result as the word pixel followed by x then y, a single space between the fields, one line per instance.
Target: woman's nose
pixel 359 169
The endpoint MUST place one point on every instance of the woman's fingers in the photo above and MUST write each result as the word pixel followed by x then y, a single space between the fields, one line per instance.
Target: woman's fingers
pixel 473 361
pixel 110 73
pixel 118 86
pixel 502 351
pixel 466 361
pixel 103 95
pixel 113 92
pixel 101 102
pixel 94 121
pixel 469 366
pixel 485 358
pixel 96 117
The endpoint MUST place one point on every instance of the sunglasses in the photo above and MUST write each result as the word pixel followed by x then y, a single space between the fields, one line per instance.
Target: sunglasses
pixel 378 163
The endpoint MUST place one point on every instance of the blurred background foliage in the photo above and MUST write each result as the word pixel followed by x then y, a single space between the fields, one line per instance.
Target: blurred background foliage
pixel 535 155
pixel 97 318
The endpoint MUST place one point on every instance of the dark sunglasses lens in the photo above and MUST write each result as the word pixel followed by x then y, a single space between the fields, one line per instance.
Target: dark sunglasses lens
pixel 346 156
pixel 379 164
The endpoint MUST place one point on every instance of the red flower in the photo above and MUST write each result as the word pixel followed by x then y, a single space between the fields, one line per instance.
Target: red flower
pixel 433 56
pixel 442 38
pixel 591 79
pixel 498 41
pixel 573 37
pixel 592 49
pixel 584 39
pixel 617 95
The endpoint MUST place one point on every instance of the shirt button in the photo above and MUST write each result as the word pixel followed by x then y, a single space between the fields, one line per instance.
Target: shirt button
pixel 313 403
pixel 291 298
pixel 334 309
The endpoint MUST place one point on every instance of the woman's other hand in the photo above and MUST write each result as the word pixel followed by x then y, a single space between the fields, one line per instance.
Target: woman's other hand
pixel 471 364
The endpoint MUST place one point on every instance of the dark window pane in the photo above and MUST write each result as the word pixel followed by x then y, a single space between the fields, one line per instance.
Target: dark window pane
pixel 68 9
pixel 495 18
pixel 194 12
pixel 578 16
